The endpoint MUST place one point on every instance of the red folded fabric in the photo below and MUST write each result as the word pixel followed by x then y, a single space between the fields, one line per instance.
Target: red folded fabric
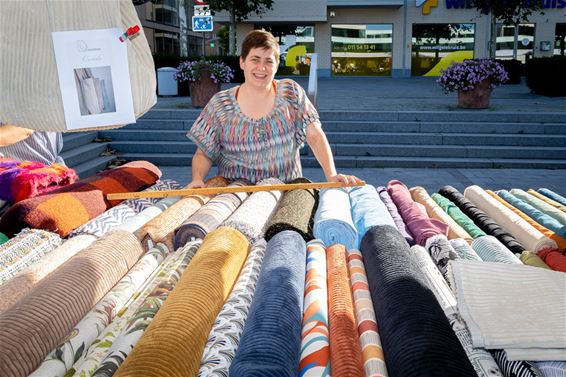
pixel 553 258
pixel 65 209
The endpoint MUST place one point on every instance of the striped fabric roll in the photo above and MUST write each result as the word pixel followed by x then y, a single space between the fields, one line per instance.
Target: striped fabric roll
pixel 295 212
pixel 420 195
pixel 392 208
pixel 515 368
pixel 541 205
pixel 441 252
pixel 271 342
pixel 225 335
pixel 417 338
pixel 490 249
pixel 151 296
pixel 552 195
pixel 345 350
pixel 315 346
pixel 531 259
pixel 41 320
pixel 148 214
pixel 19 286
pixel 460 217
pixel 173 343
pixel 531 238
pixel 547 200
pixel 210 215
pixel 24 250
pixel 368 210
pixel 333 219
pixel 464 250
pixel 481 360
pixel 252 216
pixel 552 368
pixel 62 358
pixel 372 352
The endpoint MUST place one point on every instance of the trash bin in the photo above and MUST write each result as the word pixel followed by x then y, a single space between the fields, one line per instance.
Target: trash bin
pixel 166 83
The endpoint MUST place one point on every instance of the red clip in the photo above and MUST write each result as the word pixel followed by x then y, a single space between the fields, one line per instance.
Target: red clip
pixel 130 33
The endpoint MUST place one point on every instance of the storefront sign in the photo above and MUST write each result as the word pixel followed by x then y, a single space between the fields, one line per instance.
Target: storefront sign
pixel 468 4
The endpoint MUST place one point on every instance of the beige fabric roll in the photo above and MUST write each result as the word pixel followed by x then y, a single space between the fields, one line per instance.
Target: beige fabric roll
pixel 29 83
pixel 173 343
pixel 528 236
pixel 531 259
pixel 540 205
pixel 546 199
pixel 41 320
pixel 19 286
pixel 455 231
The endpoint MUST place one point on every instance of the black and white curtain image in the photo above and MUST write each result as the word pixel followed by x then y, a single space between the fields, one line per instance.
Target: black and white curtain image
pixel 94 90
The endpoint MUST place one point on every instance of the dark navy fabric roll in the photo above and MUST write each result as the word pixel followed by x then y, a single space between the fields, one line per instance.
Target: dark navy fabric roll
pixel 271 342
pixel 481 219
pixel 416 336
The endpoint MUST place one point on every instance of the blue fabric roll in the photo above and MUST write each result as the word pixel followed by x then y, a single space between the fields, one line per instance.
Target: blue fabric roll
pixel 416 336
pixel 271 342
pixel 539 216
pixel 552 195
pixel 333 219
pixel 368 210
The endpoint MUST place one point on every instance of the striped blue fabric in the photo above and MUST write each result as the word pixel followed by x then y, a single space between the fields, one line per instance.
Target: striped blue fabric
pixel 333 219
pixel 490 249
pixel 552 195
pixel 271 342
pixel 464 250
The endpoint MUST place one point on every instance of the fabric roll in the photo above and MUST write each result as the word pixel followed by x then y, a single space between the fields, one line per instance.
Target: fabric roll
pixel 3 237
pixel 552 368
pixel 173 343
pixel 531 238
pixel 372 352
pixel 135 223
pixel 441 252
pixel 333 219
pixel 19 286
pixel 481 360
pixel 541 205
pixel 392 208
pixel 536 354
pixel 417 338
pixel 65 209
pixel 490 249
pixel 62 358
pixel 481 219
pixel 315 345
pixel 225 335
pixel 368 210
pixel 544 223
pixel 489 299
pixel 210 215
pixel 161 228
pixel 414 214
pixel 531 259
pixel 146 302
pixel 271 341
pixel 552 195
pixel 295 212
pixel 25 249
pixel 345 350
pixel 554 259
pixel 252 215
pixel 464 250
pixel 547 200
pixel 515 368
pixel 39 321
pixel 420 195
pixel 460 217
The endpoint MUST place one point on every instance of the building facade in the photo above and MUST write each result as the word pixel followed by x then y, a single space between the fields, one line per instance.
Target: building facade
pixel 401 38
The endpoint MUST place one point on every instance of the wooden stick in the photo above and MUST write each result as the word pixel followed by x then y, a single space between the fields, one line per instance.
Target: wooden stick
pixel 220 190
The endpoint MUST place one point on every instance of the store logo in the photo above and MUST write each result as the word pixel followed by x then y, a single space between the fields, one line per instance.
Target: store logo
pixel 427 5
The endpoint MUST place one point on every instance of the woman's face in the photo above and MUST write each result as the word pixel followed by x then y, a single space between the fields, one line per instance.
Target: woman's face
pixel 259 67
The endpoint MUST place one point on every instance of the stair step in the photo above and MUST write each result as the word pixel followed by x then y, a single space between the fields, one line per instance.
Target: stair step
pixel 161 147
pixel 83 153
pixel 72 140
pixel 89 168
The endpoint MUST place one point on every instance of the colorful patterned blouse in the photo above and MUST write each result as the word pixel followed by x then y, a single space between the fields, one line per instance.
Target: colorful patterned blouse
pixel 255 149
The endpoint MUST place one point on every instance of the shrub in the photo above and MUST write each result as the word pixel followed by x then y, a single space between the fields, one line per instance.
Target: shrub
pixel 547 76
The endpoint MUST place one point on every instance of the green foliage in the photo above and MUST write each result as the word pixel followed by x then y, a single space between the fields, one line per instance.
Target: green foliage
pixel 241 8
pixel 511 12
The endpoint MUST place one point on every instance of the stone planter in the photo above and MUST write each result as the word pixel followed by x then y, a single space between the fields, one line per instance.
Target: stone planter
pixel 477 98
pixel 203 90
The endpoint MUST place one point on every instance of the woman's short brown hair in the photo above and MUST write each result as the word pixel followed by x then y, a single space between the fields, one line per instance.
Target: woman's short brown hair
pixel 259 39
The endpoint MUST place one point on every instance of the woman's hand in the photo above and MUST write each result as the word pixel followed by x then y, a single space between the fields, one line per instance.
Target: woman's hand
pixel 347 179
pixel 197 183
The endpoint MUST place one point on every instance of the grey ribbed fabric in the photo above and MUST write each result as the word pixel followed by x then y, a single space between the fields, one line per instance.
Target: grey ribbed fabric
pixel 464 250
pixel 490 249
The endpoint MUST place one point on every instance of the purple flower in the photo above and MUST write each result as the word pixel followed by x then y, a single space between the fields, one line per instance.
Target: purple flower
pixel 469 73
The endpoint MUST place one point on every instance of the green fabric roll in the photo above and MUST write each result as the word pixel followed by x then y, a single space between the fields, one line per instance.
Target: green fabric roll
pixel 3 238
pixel 531 259
pixel 458 216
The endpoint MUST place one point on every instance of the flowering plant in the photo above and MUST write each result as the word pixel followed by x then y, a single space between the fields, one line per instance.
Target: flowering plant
pixel 192 71
pixel 469 73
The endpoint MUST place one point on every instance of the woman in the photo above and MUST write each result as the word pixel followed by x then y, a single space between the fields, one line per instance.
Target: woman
pixel 255 130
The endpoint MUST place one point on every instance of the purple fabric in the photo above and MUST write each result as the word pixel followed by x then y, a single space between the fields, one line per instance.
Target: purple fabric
pixel 394 212
pixel 414 214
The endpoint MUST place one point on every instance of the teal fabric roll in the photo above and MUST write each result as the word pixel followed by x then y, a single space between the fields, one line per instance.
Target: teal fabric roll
pixel 464 250
pixel 333 219
pixel 460 217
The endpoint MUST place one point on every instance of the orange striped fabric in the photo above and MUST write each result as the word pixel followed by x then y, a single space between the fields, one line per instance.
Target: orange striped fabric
pixel 345 350
pixel 174 342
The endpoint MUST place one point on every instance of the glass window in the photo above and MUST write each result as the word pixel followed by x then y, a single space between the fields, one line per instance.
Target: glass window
pixel 506 42
pixel 362 50
pixel 295 44
pixel 560 41
pixel 436 46
pixel 166 43
pixel 163 11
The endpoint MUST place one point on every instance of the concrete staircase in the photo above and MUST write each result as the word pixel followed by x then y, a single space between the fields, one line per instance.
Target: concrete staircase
pixel 83 154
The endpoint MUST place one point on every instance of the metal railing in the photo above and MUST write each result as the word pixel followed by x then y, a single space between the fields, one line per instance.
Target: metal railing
pixel 313 79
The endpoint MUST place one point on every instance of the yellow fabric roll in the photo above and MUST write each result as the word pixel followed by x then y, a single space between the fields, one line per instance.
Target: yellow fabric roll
pixel 531 259
pixel 420 195
pixel 547 200
pixel 174 342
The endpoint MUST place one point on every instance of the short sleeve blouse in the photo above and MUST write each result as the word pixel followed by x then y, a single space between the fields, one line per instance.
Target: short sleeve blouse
pixel 255 149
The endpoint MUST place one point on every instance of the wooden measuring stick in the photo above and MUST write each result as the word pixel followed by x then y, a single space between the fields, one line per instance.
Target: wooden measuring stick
pixel 221 190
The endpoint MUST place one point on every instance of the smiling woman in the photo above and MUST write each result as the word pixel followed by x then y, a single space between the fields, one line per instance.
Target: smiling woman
pixel 254 131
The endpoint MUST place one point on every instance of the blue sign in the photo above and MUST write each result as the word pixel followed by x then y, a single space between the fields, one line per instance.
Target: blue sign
pixel 202 23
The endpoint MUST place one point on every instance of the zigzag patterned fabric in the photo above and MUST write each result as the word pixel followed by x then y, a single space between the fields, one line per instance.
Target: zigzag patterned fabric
pixel 516 368
pixel 394 212
pixel 224 337
pixel 333 219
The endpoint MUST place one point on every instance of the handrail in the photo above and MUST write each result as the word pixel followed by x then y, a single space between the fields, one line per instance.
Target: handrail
pixel 312 90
